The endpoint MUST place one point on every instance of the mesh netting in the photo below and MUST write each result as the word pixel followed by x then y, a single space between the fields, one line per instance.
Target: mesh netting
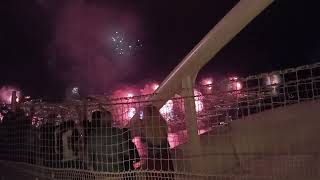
pixel 242 133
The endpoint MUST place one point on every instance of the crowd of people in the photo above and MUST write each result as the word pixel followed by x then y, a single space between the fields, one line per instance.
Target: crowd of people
pixel 94 145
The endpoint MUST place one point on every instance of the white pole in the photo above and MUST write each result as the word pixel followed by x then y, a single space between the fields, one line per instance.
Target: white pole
pixel 194 146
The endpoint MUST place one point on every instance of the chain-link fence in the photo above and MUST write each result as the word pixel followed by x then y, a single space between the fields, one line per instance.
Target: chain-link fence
pixel 259 127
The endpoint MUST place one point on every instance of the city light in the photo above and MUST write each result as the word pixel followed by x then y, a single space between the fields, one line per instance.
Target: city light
pixel 75 91
pixel 238 85
pixel 234 78
pixel 207 81
pixel 273 81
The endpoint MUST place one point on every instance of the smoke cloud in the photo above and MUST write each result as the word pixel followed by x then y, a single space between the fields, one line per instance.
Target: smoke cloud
pixel 6 94
pixel 81 53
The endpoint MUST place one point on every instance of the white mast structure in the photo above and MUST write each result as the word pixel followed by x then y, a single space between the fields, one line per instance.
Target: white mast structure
pixel 182 79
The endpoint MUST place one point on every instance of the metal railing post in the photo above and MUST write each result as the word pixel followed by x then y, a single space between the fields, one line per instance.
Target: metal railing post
pixel 312 83
pixel 284 89
pixel 194 146
pixel 297 85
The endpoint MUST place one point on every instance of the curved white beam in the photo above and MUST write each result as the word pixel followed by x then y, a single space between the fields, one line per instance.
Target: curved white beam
pixel 237 18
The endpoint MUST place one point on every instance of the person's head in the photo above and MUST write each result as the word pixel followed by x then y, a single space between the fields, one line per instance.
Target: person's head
pixel 151 112
pixel 69 124
pixel 108 118
pixel 155 126
pixel 101 119
pixel 52 116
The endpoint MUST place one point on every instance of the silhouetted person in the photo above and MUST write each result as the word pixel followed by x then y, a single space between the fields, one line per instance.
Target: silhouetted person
pixel 155 134
pixel 47 144
pixel 133 152
pixel 7 128
pixel 24 135
pixel 106 147
pixel 67 144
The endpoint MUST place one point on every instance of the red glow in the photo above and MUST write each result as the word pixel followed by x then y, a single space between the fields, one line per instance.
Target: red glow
pixel 198 102
pixel 238 85
pixel 155 86
pixel 149 88
pixel 235 78
pixel 127 91
pixel 207 81
pixel 125 113
pixel 131 113
pixel 176 139
pixel 6 94
pixel 142 150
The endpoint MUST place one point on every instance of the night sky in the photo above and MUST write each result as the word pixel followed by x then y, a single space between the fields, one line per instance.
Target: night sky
pixel 46 44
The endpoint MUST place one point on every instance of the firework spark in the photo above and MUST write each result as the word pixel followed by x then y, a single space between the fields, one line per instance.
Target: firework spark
pixel 89 41
pixel 122 46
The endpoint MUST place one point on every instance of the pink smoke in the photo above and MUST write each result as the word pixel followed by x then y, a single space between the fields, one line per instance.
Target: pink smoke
pixel 82 44
pixel 126 92
pixel 149 88
pixel 6 94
